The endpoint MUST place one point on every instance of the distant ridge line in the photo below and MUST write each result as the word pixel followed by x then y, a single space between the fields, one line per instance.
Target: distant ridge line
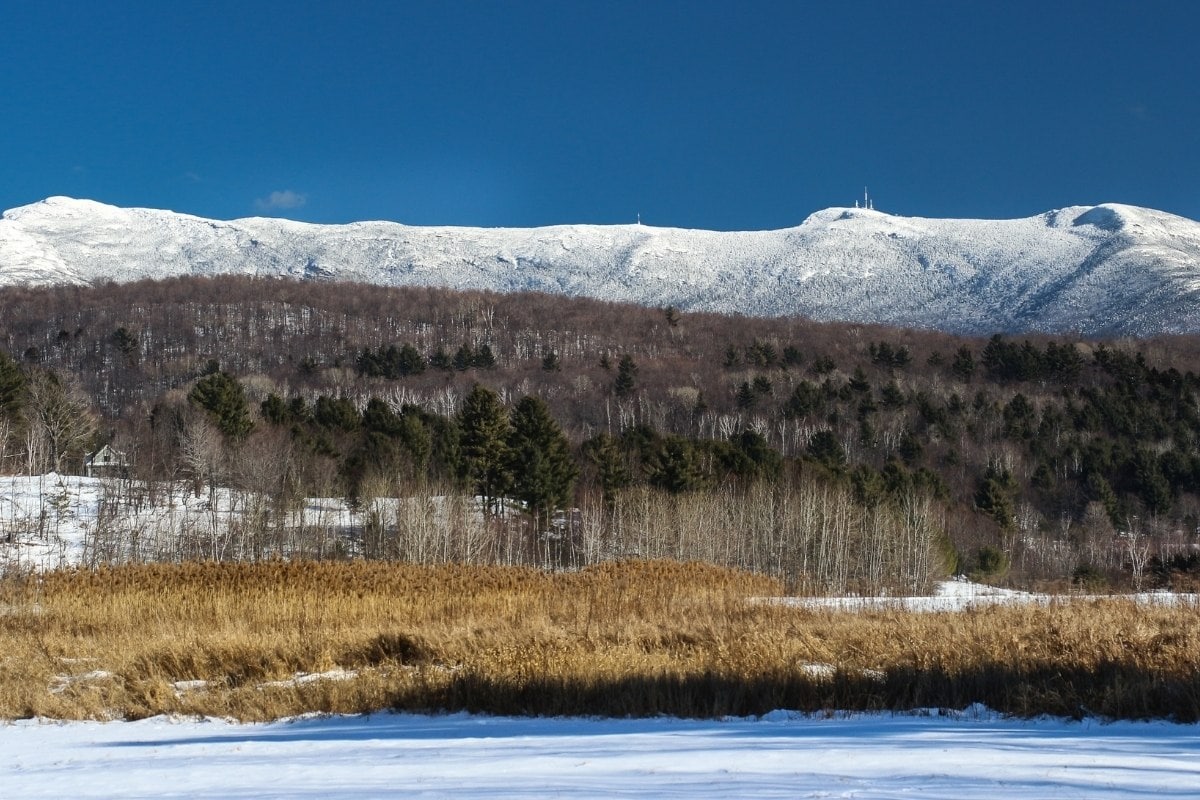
pixel 1102 270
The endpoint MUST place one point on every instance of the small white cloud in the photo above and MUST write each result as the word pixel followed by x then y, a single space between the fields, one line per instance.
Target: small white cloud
pixel 280 200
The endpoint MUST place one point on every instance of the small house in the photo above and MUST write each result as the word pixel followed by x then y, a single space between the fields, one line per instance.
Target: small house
pixel 106 463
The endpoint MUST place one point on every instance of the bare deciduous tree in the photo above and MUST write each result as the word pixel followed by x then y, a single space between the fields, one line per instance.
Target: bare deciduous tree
pixel 58 418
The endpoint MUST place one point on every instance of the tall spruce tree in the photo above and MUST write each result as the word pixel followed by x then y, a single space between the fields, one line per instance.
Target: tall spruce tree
pixel 627 371
pixel 483 445
pixel 222 396
pixel 540 457
pixel 611 471
pixel 12 385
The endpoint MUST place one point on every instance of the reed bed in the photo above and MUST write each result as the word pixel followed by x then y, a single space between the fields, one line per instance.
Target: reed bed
pixel 269 640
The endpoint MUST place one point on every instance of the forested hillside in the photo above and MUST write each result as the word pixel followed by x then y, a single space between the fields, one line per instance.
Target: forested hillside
pixel 836 455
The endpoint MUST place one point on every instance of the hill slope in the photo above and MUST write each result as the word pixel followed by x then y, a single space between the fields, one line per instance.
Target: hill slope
pixel 1103 270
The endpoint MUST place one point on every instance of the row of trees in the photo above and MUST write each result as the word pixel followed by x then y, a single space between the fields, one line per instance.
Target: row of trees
pixel 411 476
pixel 1034 446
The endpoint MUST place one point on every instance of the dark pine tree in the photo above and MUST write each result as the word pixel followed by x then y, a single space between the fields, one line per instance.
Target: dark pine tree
pixel 12 385
pixel 483 445
pixel 627 371
pixel 543 471
pixel 222 396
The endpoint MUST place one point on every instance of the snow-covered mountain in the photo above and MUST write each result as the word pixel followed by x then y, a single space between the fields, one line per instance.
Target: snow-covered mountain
pixel 1108 269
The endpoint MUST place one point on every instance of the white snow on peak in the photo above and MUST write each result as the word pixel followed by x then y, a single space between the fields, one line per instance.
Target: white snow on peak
pixel 1109 269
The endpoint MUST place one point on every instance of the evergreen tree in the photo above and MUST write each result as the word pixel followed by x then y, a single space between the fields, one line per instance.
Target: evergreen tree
pixel 125 341
pixel 891 396
pixel 378 417
pixel 1019 418
pixel 483 445
pixel 859 382
pixel 626 376
pixel 12 385
pixel 994 496
pixel 441 360
pixel 298 411
pixel 464 358
pixel 963 365
pixel 409 361
pixel 823 365
pixel 396 446
pixel 761 354
pixel 761 460
pixel 674 466
pixel 745 395
pixel 543 472
pixel 484 358
pixel 1099 489
pixel 825 448
pixel 1152 487
pixel 605 452
pixel 416 442
pixel 222 396
pixel 274 410
pixel 805 399
pixel 336 413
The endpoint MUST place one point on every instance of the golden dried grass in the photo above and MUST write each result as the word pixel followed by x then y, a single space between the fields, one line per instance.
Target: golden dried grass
pixel 631 638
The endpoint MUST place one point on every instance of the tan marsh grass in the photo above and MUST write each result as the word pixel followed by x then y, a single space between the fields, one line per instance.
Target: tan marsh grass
pixel 628 638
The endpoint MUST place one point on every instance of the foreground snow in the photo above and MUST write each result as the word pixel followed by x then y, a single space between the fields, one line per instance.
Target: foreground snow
pixel 974 754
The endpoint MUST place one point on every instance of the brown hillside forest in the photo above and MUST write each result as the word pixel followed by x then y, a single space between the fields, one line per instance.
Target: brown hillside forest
pixel 833 457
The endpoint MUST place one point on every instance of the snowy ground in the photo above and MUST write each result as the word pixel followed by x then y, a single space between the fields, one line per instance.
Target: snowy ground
pixel 53 521
pixel 973 754
pixel 961 594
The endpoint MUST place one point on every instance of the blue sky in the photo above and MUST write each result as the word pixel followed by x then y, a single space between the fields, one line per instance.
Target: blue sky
pixel 698 114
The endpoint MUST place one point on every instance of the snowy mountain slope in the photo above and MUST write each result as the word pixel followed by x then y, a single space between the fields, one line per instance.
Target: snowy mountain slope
pixel 1109 269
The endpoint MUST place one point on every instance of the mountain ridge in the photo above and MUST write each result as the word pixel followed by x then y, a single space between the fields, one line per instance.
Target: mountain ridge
pixel 1109 269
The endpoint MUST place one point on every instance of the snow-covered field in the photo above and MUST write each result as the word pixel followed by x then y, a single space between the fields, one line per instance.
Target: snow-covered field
pixel 969 754
pixel 53 521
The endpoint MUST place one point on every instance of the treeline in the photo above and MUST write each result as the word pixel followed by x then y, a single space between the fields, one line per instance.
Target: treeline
pixel 412 477
pixel 1047 459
